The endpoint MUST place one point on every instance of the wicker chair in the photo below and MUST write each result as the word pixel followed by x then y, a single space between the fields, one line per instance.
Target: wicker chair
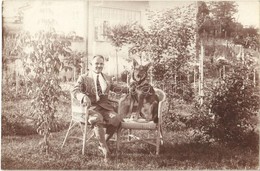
pixel 133 127
pixel 79 116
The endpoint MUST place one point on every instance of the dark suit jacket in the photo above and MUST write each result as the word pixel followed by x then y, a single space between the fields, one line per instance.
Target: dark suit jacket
pixel 85 86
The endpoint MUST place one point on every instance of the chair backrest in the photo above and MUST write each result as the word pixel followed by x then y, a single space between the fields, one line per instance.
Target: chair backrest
pixel 77 110
pixel 160 94
pixel 162 102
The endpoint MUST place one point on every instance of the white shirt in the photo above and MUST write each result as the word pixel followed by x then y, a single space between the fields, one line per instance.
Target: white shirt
pixel 102 82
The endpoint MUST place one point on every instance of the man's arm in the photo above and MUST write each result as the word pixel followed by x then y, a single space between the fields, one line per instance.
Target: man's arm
pixel 119 88
pixel 79 90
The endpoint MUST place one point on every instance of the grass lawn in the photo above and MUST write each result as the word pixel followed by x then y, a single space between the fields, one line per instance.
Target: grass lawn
pixel 22 152
pixel 179 151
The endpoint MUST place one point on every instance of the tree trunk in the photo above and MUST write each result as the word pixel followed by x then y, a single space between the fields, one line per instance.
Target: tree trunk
pixel 224 71
pixel 254 79
pixel 116 65
pixel 201 83
pixel 194 79
pixel 46 144
pixel 74 73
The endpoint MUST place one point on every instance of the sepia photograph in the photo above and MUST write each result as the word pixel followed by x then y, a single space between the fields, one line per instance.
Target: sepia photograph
pixel 130 85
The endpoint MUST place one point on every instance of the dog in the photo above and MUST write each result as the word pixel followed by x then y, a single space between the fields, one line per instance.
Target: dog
pixel 142 94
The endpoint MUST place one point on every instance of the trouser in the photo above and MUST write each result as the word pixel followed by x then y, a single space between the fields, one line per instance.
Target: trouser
pixel 101 118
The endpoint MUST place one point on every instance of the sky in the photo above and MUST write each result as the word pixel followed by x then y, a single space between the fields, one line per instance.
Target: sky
pixel 248 12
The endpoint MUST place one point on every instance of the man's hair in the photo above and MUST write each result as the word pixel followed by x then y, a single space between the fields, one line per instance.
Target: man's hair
pixel 100 56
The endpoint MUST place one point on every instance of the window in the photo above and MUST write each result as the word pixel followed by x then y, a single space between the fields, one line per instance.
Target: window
pixel 107 17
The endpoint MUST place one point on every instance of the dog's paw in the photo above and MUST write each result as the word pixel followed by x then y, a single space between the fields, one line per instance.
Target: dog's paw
pixel 134 117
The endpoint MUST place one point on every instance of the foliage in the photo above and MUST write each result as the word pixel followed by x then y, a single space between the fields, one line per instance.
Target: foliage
pixel 156 42
pixel 172 35
pixel 8 91
pixel 119 34
pixel 204 22
pixel 216 19
pixel 229 114
pixel 235 104
pixel 17 120
pixel 175 119
pixel 223 17
pixel 247 37
pixel 169 53
pixel 14 126
pixel 140 41
pixel 172 46
pixel 73 61
pixel 40 54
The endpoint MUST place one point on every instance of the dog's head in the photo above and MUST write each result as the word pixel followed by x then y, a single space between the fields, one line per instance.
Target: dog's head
pixel 140 71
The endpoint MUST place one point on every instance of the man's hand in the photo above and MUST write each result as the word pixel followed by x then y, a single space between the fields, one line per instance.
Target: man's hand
pixel 86 101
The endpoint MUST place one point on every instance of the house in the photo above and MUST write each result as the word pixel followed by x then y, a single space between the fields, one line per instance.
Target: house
pixel 89 19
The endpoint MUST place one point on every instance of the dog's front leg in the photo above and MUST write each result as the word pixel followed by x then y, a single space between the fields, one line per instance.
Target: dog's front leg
pixel 154 112
pixel 140 104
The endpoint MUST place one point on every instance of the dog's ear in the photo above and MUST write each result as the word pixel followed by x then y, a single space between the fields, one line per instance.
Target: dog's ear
pixel 147 66
pixel 135 63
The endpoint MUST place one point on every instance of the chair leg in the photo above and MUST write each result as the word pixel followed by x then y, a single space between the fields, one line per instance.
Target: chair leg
pixel 161 136
pixel 129 132
pixel 85 130
pixel 118 140
pixel 67 134
pixel 158 142
pixel 84 138
pixel 90 134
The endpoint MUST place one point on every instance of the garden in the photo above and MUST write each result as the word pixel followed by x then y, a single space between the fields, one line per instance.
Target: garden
pixel 208 70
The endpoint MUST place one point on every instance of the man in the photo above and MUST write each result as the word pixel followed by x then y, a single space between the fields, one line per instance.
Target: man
pixel 92 89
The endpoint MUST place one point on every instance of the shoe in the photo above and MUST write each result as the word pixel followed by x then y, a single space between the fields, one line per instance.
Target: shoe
pixel 105 152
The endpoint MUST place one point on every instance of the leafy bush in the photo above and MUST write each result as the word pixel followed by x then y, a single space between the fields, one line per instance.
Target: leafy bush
pixel 16 127
pixel 17 118
pixel 9 91
pixel 229 114
pixel 175 119
pixel 7 127
pixel 235 105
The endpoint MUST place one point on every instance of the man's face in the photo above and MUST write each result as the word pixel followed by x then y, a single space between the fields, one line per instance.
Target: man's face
pixel 97 64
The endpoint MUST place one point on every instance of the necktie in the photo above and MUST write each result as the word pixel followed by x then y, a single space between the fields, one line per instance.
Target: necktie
pixel 99 90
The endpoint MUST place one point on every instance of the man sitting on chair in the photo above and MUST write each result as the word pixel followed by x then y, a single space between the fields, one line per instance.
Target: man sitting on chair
pixel 92 89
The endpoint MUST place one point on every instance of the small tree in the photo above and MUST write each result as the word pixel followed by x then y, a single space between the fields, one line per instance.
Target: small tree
pixel 40 54
pixel 119 35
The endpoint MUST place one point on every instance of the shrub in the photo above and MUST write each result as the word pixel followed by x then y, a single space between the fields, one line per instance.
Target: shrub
pixel 7 127
pixel 175 119
pixel 13 125
pixel 9 91
pixel 231 110
pixel 17 120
